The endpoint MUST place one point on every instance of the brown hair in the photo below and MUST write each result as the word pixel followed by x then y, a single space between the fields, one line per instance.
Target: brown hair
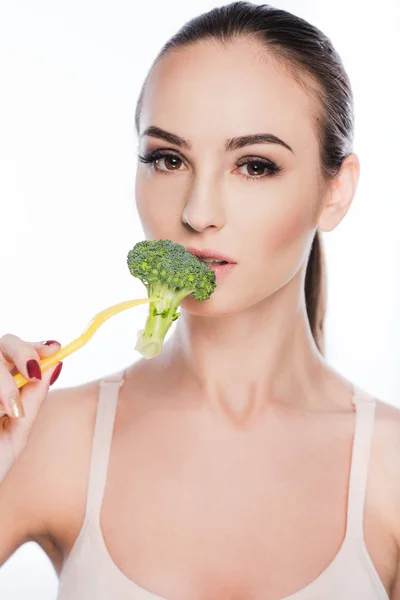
pixel 310 58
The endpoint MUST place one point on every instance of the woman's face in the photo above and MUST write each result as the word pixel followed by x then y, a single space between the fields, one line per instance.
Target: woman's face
pixel 256 203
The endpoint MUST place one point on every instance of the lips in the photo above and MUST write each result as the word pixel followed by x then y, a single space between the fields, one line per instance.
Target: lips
pixel 211 254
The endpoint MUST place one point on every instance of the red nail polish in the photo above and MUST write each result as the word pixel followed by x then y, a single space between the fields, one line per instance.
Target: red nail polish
pixel 33 369
pixel 56 373
pixel 49 342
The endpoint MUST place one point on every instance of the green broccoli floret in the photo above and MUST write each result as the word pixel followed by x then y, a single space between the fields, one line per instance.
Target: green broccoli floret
pixel 170 273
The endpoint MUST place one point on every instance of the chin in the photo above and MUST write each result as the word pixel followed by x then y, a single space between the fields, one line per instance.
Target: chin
pixel 213 307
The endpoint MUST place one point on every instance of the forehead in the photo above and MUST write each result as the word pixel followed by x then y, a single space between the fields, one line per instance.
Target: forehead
pixel 208 89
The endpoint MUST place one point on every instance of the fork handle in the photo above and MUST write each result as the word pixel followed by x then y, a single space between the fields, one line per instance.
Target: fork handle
pixel 99 319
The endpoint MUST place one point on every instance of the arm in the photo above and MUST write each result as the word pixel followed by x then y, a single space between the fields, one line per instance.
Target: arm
pixel 384 488
pixel 46 487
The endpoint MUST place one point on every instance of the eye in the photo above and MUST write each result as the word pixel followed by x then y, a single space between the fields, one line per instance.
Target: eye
pixel 167 162
pixel 258 168
pixel 172 162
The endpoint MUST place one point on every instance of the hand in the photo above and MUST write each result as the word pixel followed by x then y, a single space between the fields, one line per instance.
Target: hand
pixel 19 407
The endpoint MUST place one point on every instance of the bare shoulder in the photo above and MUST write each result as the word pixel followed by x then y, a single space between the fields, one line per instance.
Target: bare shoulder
pixel 387 430
pixel 387 419
pixel 385 465
pixel 49 479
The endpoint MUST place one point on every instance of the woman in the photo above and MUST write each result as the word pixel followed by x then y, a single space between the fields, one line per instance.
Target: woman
pixel 235 464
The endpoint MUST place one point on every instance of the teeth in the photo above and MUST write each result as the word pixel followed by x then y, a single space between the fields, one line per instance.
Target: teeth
pixel 211 261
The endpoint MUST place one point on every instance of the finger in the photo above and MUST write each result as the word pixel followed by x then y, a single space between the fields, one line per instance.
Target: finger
pixel 32 397
pixel 16 352
pixel 15 356
pixel 46 350
pixel 10 348
pixel 9 393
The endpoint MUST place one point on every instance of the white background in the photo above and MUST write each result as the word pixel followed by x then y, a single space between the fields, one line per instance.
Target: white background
pixel 70 73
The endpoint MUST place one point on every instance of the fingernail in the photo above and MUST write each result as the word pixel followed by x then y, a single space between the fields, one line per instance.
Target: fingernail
pixel 56 373
pixel 33 369
pixel 16 407
pixel 49 342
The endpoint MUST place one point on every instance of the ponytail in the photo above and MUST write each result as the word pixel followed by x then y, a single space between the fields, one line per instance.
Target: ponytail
pixel 315 291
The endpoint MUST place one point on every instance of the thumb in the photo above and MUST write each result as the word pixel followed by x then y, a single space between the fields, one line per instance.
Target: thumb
pixel 32 397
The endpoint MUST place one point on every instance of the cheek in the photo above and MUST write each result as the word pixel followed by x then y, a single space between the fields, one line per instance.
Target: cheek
pixel 281 242
pixel 289 222
pixel 287 230
pixel 158 205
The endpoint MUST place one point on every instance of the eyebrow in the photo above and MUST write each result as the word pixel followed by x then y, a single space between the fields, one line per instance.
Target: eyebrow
pixel 230 144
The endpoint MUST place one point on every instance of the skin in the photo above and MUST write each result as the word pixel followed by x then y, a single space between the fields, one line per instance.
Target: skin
pixel 205 433
pixel 266 225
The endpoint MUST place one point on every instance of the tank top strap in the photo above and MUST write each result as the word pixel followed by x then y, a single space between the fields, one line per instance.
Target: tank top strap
pixel 103 430
pixel 365 406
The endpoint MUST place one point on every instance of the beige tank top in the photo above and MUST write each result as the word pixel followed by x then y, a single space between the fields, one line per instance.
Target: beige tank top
pixel 90 573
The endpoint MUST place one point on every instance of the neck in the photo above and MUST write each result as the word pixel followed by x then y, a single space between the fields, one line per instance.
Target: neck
pixel 246 363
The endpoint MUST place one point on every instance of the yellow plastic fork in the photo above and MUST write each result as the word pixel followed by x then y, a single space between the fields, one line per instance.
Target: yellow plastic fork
pixel 99 319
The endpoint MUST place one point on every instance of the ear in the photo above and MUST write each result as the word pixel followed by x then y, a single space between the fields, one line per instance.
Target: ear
pixel 340 193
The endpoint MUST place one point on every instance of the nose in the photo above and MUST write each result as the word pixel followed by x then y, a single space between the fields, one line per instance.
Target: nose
pixel 204 207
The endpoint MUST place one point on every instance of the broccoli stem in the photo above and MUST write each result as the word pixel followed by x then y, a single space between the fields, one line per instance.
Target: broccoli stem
pixel 162 313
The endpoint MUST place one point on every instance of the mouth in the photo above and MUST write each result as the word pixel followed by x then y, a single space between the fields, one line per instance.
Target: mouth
pixel 212 257
pixel 214 263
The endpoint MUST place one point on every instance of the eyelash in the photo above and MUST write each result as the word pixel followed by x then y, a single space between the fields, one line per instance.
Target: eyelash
pixel 152 156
